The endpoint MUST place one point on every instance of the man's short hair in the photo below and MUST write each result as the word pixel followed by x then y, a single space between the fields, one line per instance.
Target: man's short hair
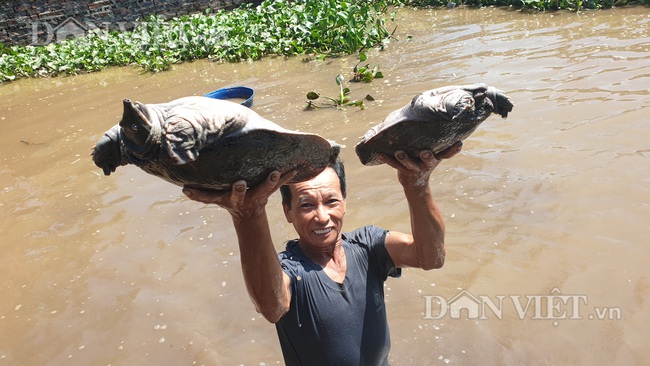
pixel 338 167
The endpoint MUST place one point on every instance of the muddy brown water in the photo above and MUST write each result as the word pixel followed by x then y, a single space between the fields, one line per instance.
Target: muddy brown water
pixel 546 211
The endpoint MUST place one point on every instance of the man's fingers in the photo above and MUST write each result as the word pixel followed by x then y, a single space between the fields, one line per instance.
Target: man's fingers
pixel 405 160
pixel 390 160
pixel 238 190
pixel 273 182
pixel 402 162
pixel 450 151
pixel 429 159
pixel 205 196
pixel 287 177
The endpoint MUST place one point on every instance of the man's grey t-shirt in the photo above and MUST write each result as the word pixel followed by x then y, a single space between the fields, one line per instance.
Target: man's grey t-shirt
pixel 338 324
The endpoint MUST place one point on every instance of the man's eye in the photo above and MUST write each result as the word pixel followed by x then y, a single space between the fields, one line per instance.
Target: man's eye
pixel 305 205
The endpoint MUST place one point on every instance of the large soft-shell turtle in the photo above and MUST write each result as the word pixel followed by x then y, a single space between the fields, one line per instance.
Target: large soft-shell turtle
pixel 434 120
pixel 209 143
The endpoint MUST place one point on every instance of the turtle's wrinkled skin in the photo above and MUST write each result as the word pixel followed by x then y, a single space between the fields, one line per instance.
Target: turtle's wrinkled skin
pixel 434 120
pixel 209 143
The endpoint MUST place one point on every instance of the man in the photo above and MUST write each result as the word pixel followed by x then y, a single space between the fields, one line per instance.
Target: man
pixel 325 291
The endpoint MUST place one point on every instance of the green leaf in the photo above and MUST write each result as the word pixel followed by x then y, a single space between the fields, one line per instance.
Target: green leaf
pixel 362 57
pixel 339 79
pixel 357 103
pixel 312 95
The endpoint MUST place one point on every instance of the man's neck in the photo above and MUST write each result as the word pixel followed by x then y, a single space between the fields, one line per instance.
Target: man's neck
pixel 332 260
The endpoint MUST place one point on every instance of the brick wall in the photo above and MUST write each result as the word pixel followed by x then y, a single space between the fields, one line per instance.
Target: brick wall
pixel 25 22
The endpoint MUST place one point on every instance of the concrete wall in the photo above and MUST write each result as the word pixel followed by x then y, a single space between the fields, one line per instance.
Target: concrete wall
pixel 38 22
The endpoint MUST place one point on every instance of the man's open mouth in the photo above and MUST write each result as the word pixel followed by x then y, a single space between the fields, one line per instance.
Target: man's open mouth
pixel 323 231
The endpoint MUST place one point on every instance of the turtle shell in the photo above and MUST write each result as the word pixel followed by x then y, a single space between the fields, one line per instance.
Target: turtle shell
pixel 209 144
pixel 434 120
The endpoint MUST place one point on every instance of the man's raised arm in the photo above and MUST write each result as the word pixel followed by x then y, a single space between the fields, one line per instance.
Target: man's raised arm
pixel 267 284
pixel 425 247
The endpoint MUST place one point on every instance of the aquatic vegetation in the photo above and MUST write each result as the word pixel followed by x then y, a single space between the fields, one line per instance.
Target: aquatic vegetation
pixel 342 100
pixel 365 73
pixel 279 27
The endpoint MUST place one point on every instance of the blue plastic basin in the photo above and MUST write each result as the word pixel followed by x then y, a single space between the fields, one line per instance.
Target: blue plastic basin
pixel 240 92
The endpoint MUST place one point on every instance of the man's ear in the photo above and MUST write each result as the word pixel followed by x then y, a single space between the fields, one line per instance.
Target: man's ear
pixel 286 209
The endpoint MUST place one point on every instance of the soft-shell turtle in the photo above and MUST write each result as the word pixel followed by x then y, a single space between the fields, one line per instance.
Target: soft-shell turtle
pixel 434 120
pixel 209 143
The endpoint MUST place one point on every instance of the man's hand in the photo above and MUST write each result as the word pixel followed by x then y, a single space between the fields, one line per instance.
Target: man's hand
pixel 416 173
pixel 240 202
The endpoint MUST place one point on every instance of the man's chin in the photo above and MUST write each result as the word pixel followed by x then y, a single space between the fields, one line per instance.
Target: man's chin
pixel 325 240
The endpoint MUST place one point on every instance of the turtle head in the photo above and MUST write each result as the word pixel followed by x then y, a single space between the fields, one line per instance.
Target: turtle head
pixel 501 102
pixel 135 123
pixel 107 153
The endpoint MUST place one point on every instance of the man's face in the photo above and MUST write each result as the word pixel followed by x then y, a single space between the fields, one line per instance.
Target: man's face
pixel 317 209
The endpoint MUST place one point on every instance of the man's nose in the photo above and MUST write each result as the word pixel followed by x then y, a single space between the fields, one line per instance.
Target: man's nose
pixel 322 215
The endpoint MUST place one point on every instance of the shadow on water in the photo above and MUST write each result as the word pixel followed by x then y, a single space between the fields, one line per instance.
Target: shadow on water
pixel 544 208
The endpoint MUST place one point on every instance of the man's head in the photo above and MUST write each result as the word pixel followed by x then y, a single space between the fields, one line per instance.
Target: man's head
pixel 338 167
pixel 316 207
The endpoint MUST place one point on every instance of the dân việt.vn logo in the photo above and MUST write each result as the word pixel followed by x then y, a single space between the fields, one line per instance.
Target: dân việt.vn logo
pixel 554 306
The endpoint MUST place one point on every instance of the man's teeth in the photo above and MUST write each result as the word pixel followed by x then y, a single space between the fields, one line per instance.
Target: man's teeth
pixel 324 231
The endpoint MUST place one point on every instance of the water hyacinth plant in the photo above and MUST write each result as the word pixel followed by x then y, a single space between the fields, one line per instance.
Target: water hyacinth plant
pixel 274 27
pixel 342 100
pixel 278 27
pixel 365 73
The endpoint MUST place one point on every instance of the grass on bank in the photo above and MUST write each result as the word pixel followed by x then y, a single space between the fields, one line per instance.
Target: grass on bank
pixel 275 27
